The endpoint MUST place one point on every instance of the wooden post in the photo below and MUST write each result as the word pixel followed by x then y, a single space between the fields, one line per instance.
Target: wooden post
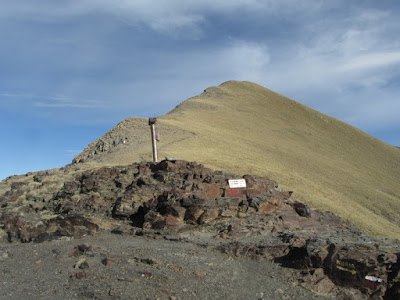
pixel 152 122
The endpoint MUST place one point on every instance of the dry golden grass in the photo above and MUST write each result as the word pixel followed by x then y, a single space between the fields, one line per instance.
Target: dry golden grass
pixel 242 127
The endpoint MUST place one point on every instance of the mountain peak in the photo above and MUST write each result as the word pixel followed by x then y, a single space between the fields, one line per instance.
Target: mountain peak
pixel 243 127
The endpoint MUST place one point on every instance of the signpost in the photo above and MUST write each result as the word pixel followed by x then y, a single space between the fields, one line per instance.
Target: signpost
pixel 152 122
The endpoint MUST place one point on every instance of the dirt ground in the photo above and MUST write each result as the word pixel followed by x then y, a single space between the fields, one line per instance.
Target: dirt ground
pixel 127 266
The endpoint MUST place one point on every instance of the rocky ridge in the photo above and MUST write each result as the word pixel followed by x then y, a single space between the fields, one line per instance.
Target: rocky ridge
pixel 186 202
pixel 128 142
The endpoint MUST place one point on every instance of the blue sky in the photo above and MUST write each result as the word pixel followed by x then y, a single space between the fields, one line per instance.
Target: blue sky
pixel 71 70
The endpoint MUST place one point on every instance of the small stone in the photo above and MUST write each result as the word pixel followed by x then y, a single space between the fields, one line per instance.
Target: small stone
pixel 279 291
pixel 82 264
pixel 82 274
pixel 84 247
pixel 200 274
pixel 227 214
pixel 325 285
pixel 107 262
pixel 224 235
pixel 149 261
pixel 241 214
pixel 75 252
pixel 117 231
pixel 173 221
pixel 80 249
pixel 56 252
pixel 146 274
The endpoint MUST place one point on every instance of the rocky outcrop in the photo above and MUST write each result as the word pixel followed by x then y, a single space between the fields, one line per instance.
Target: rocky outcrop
pixel 239 215
pixel 119 136
pixel 128 142
pixel 170 193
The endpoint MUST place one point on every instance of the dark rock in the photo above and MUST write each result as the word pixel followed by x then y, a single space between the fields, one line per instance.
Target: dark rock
pixel 148 261
pixel 117 231
pixel 82 274
pixel 80 250
pixel 107 262
pixel 302 209
pixel 249 180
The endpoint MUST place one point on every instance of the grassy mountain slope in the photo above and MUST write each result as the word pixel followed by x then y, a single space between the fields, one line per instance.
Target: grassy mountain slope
pixel 242 127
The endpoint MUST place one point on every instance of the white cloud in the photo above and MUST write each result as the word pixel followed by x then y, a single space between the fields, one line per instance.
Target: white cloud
pixel 168 17
pixel 326 59
pixel 66 102
pixel 368 61
pixel 243 60
pixel 342 50
pixel 52 101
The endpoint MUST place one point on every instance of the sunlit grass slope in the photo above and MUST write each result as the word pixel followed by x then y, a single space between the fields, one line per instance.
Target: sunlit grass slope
pixel 242 127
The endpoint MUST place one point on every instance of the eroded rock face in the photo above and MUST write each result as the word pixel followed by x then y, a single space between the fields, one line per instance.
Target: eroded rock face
pixel 258 220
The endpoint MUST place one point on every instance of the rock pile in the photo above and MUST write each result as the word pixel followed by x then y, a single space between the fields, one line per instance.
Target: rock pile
pixel 255 218
pixel 170 193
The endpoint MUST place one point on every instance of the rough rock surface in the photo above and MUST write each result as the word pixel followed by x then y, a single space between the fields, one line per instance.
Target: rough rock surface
pixel 186 202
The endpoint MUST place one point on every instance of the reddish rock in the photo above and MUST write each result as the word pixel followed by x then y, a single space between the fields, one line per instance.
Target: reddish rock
pixel 287 195
pixel 98 204
pixel 173 221
pixel 277 202
pixel 193 214
pixel 176 211
pixel 125 207
pixel 200 274
pixel 261 187
pixel 154 220
pixel 266 208
pixel 82 274
pixel 249 181
pixel 208 191
pixel 80 250
pixel 316 281
pixel 107 262
pixel 270 205
pixel 235 193
pixel 208 216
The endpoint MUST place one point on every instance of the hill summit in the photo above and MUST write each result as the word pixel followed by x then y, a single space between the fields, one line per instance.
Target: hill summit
pixel 242 127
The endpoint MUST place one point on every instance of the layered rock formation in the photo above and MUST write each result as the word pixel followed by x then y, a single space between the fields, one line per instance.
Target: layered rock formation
pixel 186 201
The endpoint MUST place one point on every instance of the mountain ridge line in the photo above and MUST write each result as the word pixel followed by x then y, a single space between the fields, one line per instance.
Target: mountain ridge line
pixel 244 128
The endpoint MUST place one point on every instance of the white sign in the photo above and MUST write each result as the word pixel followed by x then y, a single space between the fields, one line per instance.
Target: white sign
pixel 237 183
pixel 374 279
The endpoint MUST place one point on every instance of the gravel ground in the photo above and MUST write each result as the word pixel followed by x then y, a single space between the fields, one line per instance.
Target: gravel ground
pixel 113 266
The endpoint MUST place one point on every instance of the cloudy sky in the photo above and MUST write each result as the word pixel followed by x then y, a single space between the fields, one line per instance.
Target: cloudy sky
pixel 70 70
